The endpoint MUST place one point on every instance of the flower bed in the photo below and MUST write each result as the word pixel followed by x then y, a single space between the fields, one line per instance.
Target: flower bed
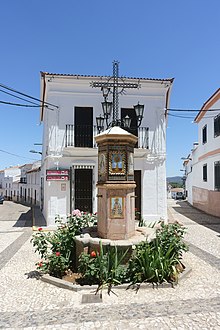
pixel 157 261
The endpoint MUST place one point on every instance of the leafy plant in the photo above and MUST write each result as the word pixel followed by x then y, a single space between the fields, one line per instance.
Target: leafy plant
pixel 56 265
pixel 171 239
pixel 103 268
pixel 157 261
pixel 61 241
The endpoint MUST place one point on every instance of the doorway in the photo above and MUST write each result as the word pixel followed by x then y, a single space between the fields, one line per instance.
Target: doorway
pixel 137 179
pixel 83 189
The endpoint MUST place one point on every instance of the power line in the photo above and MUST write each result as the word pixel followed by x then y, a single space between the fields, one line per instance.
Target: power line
pixel 191 110
pixel 18 97
pixel 187 117
pixel 21 105
pixel 179 116
pixel 26 95
pixel 9 153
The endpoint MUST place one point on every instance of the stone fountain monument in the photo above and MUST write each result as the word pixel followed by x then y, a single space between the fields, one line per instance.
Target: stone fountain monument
pixel 116 186
pixel 116 195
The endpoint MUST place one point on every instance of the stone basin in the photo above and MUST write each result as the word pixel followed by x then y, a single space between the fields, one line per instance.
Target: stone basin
pixel 89 241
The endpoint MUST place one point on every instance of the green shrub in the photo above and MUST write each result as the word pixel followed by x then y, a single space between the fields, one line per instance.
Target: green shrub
pixel 62 241
pixel 103 268
pixel 157 261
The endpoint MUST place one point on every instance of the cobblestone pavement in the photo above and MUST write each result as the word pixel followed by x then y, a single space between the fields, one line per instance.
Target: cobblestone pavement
pixel 27 303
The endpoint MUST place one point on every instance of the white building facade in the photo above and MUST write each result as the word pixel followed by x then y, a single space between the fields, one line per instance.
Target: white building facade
pixel 21 183
pixel 203 164
pixel 69 170
pixel 33 185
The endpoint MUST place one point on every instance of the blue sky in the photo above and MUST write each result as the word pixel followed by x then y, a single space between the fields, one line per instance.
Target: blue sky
pixel 153 39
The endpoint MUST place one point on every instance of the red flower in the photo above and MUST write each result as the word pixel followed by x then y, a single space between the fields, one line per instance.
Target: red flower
pixel 93 254
pixel 57 254
pixel 40 228
pixel 40 264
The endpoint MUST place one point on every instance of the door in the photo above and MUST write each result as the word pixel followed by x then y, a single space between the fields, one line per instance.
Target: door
pixel 83 127
pixel 137 179
pixel 83 189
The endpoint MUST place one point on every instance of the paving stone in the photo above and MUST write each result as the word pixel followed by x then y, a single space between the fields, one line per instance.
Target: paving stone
pixel 27 303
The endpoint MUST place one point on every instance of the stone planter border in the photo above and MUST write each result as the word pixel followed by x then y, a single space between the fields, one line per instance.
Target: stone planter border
pixel 76 287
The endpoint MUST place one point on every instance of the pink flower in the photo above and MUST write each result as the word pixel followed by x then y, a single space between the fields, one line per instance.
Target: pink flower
pixel 40 228
pixel 57 254
pixel 77 213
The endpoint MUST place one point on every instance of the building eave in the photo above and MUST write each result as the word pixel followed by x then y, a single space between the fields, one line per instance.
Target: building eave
pixel 207 105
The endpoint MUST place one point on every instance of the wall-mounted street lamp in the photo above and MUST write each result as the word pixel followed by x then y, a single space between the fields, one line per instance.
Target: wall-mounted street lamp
pixel 115 86
pixel 35 152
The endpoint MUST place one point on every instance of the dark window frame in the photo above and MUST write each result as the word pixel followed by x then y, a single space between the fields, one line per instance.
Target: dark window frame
pixel 217 125
pixel 217 175
pixel 204 134
pixel 204 173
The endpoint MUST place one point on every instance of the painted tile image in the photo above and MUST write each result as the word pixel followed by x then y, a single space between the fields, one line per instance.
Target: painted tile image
pixel 117 207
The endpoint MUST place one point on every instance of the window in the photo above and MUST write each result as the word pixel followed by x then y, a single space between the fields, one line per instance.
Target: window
pixel 217 175
pixel 217 126
pixel 204 134
pixel 205 172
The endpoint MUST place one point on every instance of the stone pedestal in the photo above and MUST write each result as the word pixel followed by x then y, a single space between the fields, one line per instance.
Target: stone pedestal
pixel 116 210
pixel 116 186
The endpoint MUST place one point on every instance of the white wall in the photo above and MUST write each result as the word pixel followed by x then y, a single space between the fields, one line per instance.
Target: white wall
pixel 68 92
pixel 207 153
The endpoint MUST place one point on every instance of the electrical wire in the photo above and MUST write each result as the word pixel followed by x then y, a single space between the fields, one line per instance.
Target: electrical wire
pixel 187 117
pixel 26 95
pixel 18 97
pixel 179 116
pixel 21 105
pixel 9 153
pixel 192 110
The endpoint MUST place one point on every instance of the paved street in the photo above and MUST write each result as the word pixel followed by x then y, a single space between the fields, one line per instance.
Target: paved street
pixel 27 303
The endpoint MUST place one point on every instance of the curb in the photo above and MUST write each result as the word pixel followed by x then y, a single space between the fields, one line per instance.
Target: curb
pixel 76 288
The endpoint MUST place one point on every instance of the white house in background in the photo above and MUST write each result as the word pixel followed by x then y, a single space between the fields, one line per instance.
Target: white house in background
pixel 202 166
pixel 9 176
pixel 24 191
pixel 33 184
pixel 69 170
pixel 21 183
pixel 2 175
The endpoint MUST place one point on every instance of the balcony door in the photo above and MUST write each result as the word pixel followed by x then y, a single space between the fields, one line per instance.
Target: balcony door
pixel 83 127
pixel 132 114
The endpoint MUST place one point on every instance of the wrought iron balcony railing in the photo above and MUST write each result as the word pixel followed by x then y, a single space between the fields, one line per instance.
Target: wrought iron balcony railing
pixel 23 180
pixel 83 136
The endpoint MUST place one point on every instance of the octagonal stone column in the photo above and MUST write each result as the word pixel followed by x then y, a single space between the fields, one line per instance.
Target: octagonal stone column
pixel 116 185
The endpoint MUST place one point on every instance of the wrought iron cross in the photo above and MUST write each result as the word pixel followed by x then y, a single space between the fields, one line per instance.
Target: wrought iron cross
pixel 114 83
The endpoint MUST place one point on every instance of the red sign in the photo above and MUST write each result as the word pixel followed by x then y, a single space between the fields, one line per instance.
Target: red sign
pixel 57 172
pixel 57 177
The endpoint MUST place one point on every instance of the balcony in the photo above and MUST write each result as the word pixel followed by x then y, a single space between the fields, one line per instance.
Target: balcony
pixel 82 136
pixel 23 180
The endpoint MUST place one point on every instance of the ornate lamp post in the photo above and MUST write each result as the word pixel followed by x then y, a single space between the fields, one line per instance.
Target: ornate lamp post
pixel 115 85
